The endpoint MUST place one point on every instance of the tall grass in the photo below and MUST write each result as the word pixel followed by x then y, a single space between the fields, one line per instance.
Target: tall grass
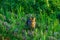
pixel 14 14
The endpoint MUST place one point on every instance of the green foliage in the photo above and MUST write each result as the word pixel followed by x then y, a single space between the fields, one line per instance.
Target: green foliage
pixel 14 14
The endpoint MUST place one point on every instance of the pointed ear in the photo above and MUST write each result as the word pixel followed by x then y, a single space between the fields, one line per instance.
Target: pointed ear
pixel 34 18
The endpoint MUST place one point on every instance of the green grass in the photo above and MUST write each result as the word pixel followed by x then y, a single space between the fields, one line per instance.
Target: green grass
pixel 14 14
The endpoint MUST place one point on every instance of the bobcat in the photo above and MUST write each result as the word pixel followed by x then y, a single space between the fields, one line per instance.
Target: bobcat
pixel 31 22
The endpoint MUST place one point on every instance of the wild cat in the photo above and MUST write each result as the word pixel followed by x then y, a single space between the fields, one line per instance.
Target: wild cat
pixel 31 22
